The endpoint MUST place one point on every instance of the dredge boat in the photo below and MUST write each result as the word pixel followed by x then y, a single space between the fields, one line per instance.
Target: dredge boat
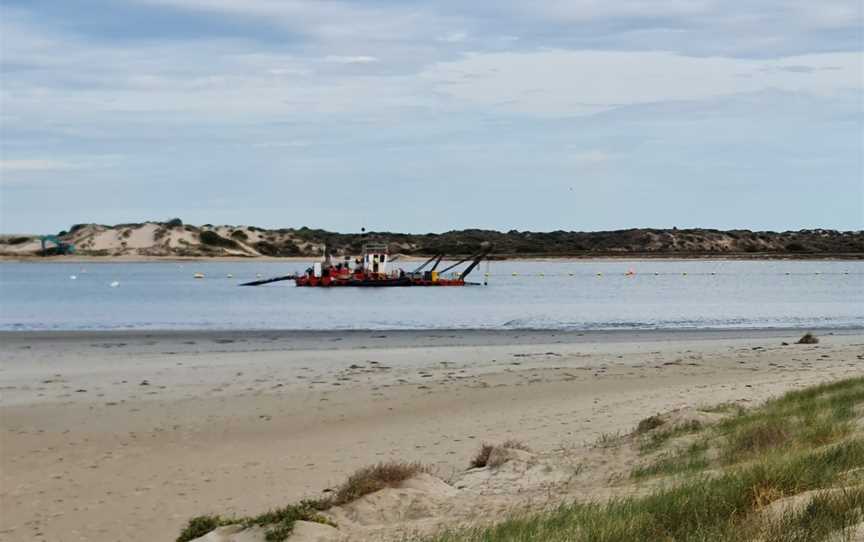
pixel 374 269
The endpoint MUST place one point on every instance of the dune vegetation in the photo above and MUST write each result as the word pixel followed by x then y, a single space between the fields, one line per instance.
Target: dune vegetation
pixel 789 470
pixel 279 523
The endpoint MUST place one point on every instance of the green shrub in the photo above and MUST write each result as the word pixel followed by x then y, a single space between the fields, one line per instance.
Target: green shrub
pixel 212 238
pixel 286 248
pixel 199 526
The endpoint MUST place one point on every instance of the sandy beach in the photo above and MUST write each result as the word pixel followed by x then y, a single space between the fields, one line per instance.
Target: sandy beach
pixel 125 435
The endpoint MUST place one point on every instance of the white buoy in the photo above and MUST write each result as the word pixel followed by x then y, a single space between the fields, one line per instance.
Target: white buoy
pixel 73 277
pixel 114 284
pixel 230 276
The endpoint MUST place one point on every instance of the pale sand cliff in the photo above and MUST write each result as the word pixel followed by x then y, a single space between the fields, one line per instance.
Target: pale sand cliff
pixel 124 436
pixel 173 239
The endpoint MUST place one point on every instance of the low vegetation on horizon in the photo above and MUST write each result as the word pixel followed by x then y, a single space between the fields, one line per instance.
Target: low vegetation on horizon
pixel 174 238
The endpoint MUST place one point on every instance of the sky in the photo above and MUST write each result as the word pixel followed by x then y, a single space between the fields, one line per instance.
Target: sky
pixel 430 116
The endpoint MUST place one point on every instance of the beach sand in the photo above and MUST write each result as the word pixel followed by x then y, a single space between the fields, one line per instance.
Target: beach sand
pixel 112 436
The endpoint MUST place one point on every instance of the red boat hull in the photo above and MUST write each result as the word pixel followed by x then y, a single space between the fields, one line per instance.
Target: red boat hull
pixel 366 282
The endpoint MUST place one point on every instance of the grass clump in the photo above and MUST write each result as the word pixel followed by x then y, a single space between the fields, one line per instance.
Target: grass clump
pixel 279 523
pixel 201 525
pixel 826 514
pixel 485 452
pixel 374 478
pixel 723 408
pixel 816 416
pixel 649 423
pixel 656 439
pixel 808 338
pixel 723 508
pixel 691 459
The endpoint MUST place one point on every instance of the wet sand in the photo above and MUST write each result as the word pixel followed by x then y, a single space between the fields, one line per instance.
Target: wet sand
pixel 125 435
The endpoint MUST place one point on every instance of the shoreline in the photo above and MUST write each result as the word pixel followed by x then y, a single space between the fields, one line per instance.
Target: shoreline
pixel 636 256
pixel 394 338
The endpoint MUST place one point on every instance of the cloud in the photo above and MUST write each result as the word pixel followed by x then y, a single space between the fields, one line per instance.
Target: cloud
pixel 350 59
pixel 281 144
pixel 590 157
pixel 554 82
pixel 453 37
pixel 329 20
pixel 35 164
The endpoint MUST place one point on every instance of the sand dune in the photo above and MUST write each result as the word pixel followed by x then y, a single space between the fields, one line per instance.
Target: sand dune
pixel 126 436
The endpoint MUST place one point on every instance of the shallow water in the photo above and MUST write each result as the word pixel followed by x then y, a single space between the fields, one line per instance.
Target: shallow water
pixel 568 295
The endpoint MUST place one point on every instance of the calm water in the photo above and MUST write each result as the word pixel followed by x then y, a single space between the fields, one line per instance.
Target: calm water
pixel 570 295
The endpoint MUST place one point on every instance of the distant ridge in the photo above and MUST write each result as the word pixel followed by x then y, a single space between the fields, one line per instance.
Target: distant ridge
pixel 175 239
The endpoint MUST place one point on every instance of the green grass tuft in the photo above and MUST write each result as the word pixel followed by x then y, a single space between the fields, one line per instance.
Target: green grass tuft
pixel 721 508
pixel 201 525
pixel 804 441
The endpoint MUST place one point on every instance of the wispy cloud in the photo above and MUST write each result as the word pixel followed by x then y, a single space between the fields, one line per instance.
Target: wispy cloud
pixel 555 82
pixel 590 157
pixel 36 164
pixel 359 59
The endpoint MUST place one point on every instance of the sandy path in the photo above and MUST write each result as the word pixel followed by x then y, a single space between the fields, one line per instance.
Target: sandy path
pixel 113 442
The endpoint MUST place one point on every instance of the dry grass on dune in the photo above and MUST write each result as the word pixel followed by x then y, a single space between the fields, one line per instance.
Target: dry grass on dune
pixel 280 522
pixel 482 459
pixel 376 477
pixel 808 338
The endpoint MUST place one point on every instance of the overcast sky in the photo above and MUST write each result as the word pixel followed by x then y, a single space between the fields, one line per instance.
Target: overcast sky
pixel 430 116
